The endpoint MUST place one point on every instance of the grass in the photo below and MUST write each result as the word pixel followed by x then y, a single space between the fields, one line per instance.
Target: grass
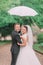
pixel 5 42
pixel 38 47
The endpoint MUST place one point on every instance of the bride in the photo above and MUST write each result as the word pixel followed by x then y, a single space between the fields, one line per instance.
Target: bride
pixel 27 55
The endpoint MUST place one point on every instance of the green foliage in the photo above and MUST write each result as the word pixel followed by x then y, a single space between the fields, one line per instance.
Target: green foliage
pixel 40 38
pixel 6 4
pixel 6 30
pixel 38 48
pixel 6 20
pixel 38 6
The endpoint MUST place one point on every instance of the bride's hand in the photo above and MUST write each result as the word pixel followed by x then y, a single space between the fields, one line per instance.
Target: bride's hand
pixel 21 37
pixel 18 43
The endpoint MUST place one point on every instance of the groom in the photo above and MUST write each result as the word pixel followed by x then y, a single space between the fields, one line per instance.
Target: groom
pixel 15 39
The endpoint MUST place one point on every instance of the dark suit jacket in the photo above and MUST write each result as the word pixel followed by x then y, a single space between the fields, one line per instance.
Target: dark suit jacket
pixel 15 39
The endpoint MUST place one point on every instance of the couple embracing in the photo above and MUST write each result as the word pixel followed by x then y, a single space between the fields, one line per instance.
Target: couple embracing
pixel 21 49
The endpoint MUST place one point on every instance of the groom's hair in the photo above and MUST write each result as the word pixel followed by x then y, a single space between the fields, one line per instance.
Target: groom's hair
pixel 16 24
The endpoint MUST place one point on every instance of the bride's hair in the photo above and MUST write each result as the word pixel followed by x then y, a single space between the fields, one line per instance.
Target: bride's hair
pixel 26 28
pixel 30 36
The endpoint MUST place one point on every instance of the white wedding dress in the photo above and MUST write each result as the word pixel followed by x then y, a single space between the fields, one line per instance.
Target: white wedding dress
pixel 27 55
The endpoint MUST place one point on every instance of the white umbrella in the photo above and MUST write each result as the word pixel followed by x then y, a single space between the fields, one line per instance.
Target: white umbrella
pixel 22 11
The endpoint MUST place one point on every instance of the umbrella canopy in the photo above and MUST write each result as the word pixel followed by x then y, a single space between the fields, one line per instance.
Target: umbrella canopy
pixel 22 11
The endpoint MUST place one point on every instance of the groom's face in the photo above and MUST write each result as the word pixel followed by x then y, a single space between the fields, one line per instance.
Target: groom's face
pixel 17 27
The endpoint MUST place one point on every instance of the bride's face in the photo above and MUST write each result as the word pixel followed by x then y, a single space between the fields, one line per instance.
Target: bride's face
pixel 23 30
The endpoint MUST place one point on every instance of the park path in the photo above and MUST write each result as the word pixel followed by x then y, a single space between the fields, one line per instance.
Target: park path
pixel 5 55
